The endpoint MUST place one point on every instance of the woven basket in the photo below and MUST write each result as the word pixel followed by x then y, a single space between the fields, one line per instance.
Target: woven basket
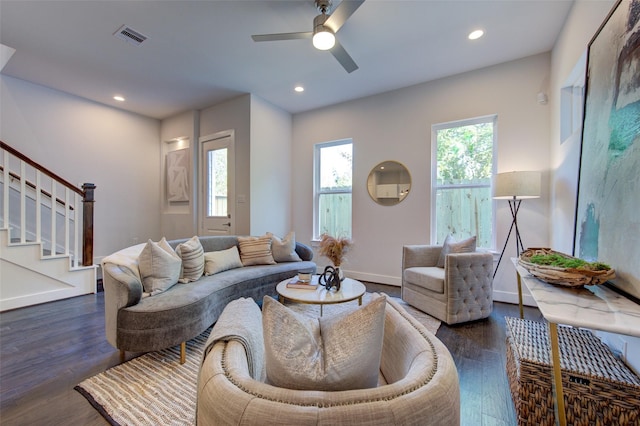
pixel 599 389
pixel 569 277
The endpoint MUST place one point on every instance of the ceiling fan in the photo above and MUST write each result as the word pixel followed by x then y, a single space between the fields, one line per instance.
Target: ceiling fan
pixel 325 26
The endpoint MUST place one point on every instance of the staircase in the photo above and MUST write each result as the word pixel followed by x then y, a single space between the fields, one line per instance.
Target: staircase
pixel 46 234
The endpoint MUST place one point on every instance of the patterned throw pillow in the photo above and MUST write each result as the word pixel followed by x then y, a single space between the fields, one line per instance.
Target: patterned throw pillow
pixel 328 353
pixel 451 246
pixel 192 255
pixel 256 250
pixel 221 260
pixel 284 250
pixel 159 267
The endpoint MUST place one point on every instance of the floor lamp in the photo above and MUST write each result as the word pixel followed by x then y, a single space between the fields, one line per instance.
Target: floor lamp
pixel 515 187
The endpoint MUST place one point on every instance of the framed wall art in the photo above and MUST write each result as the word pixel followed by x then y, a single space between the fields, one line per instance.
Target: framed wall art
pixel 178 176
pixel 607 224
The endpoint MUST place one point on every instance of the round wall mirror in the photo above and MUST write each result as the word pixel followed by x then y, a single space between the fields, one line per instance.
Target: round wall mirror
pixel 389 183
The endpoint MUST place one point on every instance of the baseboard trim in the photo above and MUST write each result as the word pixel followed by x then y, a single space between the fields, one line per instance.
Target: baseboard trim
pixel 511 297
pixel 373 278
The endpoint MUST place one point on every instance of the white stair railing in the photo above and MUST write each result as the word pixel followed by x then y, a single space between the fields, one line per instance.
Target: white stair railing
pixel 39 206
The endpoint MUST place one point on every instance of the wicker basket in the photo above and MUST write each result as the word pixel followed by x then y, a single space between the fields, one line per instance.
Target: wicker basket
pixel 569 277
pixel 599 389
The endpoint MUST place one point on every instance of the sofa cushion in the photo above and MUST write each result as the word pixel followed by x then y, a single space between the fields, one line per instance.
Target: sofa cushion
pixel 328 353
pixel 284 250
pixel 429 277
pixel 222 260
pixel 159 266
pixel 256 250
pixel 218 242
pixel 192 255
pixel 451 246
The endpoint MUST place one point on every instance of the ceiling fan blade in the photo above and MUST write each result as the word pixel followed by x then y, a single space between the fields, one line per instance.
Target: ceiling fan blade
pixel 342 13
pixel 281 36
pixel 343 57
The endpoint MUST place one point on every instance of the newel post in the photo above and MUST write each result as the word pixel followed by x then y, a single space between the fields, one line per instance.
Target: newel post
pixel 87 224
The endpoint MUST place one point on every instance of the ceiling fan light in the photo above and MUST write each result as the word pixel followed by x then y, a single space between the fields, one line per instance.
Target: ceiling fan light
pixel 324 39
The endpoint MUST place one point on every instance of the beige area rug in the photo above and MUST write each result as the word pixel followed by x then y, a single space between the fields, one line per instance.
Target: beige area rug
pixel 155 389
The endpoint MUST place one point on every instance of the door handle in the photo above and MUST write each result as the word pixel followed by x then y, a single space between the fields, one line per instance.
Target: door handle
pixel 226 224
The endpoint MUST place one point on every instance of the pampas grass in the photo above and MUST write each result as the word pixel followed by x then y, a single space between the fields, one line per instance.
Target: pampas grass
pixel 334 248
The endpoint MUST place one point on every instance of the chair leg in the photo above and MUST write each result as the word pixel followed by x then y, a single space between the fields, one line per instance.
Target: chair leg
pixel 122 355
pixel 183 352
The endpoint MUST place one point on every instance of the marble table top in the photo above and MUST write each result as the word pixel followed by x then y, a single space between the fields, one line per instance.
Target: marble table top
pixel 350 289
pixel 593 307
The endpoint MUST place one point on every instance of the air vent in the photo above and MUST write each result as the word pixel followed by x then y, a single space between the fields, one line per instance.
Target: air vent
pixel 130 35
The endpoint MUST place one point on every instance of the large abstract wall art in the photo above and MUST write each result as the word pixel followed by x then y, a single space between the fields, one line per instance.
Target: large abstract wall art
pixel 608 205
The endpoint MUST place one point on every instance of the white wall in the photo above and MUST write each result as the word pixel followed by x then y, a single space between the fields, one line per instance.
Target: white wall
pixel 397 126
pixel 263 159
pixel 270 169
pixel 583 22
pixel 83 141
pixel 179 220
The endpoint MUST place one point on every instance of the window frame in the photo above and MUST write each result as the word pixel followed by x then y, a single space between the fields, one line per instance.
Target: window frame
pixel 317 191
pixel 435 128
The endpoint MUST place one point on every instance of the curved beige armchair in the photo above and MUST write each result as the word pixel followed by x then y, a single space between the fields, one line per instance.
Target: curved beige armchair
pixel 418 384
pixel 461 291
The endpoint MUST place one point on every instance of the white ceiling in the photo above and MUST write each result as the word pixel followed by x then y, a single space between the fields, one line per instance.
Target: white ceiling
pixel 200 53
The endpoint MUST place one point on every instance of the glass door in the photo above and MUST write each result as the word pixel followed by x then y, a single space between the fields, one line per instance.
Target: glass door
pixel 217 183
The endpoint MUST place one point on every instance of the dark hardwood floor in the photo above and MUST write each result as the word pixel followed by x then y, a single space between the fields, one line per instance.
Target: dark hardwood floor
pixel 46 350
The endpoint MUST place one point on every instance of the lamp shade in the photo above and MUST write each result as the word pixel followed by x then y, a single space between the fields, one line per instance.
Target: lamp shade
pixel 517 185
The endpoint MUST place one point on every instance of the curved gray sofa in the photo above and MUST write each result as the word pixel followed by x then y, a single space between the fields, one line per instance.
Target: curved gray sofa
pixel 142 324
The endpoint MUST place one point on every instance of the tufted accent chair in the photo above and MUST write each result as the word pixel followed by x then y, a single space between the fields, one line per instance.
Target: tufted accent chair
pixel 461 291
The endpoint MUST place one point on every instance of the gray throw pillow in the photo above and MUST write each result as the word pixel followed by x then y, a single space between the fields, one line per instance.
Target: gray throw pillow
pixel 328 353
pixel 284 250
pixel 451 246
pixel 159 267
pixel 192 255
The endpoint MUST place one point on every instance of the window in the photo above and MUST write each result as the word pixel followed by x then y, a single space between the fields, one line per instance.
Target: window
pixel 461 182
pixel 332 188
pixel 217 178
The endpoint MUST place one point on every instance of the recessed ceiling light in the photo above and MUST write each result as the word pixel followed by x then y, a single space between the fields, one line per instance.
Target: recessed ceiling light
pixel 119 98
pixel 299 89
pixel 474 35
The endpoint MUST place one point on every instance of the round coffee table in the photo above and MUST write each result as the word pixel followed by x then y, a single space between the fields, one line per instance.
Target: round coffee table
pixel 350 289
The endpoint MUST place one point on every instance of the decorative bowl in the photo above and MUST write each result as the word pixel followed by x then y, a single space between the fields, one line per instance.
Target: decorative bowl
pixel 569 277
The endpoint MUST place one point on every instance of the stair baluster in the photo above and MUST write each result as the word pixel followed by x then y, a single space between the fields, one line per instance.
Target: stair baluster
pixel 69 202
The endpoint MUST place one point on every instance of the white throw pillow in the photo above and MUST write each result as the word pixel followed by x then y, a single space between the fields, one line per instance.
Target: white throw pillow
pixel 192 255
pixel 256 251
pixel 159 266
pixel 329 354
pixel 451 246
pixel 284 250
pixel 221 260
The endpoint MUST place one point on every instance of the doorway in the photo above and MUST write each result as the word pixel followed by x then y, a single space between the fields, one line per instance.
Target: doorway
pixel 217 184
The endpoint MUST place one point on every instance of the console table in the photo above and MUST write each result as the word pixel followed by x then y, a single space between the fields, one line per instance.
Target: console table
pixel 592 307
